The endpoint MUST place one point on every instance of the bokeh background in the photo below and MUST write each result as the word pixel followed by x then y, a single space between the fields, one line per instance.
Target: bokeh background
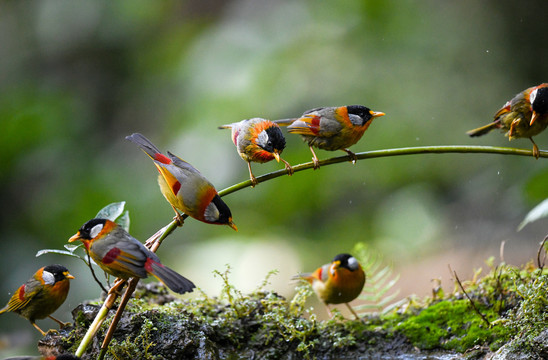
pixel 77 76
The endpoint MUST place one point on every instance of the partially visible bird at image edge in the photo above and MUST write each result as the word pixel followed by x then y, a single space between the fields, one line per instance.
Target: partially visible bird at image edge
pixel 524 116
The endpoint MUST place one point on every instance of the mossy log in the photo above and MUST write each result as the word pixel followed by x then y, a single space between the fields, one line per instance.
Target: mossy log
pixel 264 325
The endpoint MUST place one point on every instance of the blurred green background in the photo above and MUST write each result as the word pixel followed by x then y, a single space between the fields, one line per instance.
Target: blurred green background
pixel 77 76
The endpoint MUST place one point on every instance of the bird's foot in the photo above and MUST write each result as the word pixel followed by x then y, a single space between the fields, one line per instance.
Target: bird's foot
pixel 536 152
pixel 314 159
pixel 254 181
pixel 116 287
pixel 316 163
pixel 61 324
pixel 353 157
pixel 288 167
pixel 179 219
pixel 252 177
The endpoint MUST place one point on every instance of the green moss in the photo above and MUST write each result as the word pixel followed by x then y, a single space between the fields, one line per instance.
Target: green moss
pixel 451 324
pixel 263 324
pixel 138 347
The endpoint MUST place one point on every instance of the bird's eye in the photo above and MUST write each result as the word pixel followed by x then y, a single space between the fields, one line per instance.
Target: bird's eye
pixel 95 230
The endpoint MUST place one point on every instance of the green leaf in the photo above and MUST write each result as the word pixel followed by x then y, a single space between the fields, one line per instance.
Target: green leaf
pixel 538 212
pixel 123 221
pixel 72 248
pixel 55 251
pixel 111 211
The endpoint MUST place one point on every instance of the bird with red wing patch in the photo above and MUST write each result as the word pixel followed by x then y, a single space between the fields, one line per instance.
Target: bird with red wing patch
pixel 120 254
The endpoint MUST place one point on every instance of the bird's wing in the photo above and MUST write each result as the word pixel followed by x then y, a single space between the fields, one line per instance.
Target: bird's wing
pixel 315 125
pixel 127 256
pixel 23 295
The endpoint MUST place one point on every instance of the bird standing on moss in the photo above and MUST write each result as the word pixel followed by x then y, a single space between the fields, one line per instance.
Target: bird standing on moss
pixel 339 282
pixel 41 295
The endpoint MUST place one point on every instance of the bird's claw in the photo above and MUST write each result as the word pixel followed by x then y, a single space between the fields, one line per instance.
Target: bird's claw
pixel 288 167
pixel 353 157
pixel 314 158
pixel 536 152
pixel 179 219
pixel 316 163
pixel 254 181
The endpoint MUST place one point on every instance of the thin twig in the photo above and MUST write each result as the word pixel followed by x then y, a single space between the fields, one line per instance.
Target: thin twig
pixel 471 302
pixel 94 276
pixel 541 247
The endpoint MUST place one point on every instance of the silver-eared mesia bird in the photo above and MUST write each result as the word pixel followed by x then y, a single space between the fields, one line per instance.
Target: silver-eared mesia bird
pixel 332 128
pixel 120 254
pixel 525 116
pixel 339 282
pixel 41 295
pixel 184 187
pixel 258 140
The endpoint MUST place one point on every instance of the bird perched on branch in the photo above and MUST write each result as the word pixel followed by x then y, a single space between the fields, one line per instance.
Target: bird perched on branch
pixel 41 295
pixel 339 282
pixel 525 116
pixel 258 140
pixel 332 128
pixel 184 187
pixel 120 254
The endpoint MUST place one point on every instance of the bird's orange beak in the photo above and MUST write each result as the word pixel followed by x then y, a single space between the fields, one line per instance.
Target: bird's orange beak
pixel 68 275
pixel 533 118
pixel 276 154
pixel 75 237
pixel 376 113
pixel 232 225
pixel 334 266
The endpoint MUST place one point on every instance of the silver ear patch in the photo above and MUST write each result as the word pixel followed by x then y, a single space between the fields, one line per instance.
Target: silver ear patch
pixel 262 138
pixel 532 96
pixel 211 212
pixel 353 263
pixel 95 230
pixel 48 278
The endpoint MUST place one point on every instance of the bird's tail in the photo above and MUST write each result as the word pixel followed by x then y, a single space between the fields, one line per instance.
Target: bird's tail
pixel 302 277
pixel 484 129
pixel 170 278
pixel 285 122
pixel 148 147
